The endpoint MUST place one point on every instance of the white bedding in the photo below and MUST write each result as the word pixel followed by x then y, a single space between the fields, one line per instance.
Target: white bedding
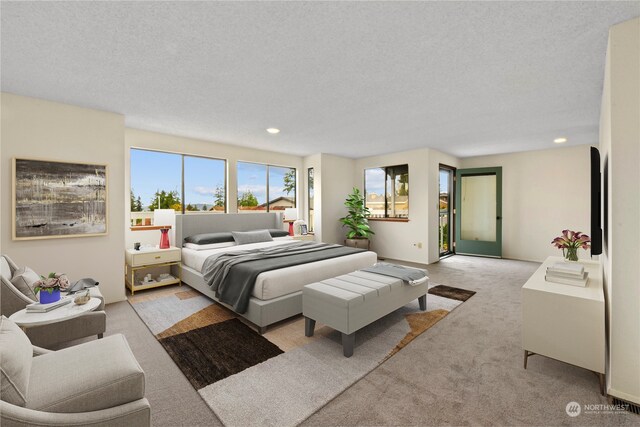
pixel 276 283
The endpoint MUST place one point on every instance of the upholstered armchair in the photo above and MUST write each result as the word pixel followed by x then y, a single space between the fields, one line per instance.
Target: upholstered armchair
pixel 15 294
pixel 97 383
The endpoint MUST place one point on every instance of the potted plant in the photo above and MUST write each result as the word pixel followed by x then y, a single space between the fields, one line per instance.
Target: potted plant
pixel 49 287
pixel 357 221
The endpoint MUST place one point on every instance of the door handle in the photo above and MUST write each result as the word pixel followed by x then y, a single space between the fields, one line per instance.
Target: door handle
pixel 498 217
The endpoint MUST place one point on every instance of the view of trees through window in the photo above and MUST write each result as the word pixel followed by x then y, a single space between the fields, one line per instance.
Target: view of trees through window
pixel 157 183
pixel 387 191
pixel 310 205
pixel 263 188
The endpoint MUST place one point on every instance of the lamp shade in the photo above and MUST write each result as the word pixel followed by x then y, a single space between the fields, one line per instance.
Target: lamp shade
pixel 290 214
pixel 166 217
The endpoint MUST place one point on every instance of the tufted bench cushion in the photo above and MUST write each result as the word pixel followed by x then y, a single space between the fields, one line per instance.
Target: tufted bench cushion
pixel 351 301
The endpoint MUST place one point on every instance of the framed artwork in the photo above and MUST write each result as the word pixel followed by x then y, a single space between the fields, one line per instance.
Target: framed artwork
pixel 53 199
pixel 303 229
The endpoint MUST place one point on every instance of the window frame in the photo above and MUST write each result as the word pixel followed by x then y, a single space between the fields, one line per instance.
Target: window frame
pixel 267 201
pixel 182 187
pixel 386 169
pixel 311 180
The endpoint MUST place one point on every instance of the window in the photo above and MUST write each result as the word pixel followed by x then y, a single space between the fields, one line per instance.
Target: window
pixel 156 181
pixel 310 201
pixel 445 223
pixel 204 185
pixel 264 188
pixel 387 191
pixel 175 181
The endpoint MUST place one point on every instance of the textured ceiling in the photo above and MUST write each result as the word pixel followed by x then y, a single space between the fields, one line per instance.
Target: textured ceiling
pixel 353 79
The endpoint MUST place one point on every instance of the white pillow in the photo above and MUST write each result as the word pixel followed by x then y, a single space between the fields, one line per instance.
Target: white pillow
pixel 197 247
pixel 24 279
pixel 16 353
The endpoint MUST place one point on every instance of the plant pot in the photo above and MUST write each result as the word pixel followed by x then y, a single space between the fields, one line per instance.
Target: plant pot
pixel 46 297
pixel 358 243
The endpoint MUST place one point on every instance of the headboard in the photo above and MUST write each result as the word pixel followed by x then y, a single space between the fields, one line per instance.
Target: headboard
pixel 197 223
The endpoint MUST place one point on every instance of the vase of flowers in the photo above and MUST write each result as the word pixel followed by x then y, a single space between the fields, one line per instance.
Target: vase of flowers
pixel 49 287
pixel 570 242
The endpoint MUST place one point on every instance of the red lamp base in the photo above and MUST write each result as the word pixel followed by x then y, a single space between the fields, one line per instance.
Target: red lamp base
pixel 164 238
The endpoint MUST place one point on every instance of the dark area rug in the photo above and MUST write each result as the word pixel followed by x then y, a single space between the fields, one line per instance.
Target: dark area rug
pixel 209 354
pixel 452 293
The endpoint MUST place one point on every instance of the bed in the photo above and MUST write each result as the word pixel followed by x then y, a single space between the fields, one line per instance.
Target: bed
pixel 277 294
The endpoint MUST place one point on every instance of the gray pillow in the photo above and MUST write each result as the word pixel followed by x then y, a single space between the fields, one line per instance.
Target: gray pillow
pixel 278 233
pixel 207 238
pixel 256 236
pixel 16 353
pixel 24 280
pixel 5 270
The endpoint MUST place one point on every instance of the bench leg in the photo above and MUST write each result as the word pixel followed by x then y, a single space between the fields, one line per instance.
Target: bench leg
pixel 423 302
pixel 309 326
pixel 348 342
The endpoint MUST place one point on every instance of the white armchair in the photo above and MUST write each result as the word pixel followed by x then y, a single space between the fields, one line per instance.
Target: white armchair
pixel 14 298
pixel 97 383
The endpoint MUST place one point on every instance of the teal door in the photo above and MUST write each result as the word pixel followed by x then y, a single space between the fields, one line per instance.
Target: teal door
pixel 479 212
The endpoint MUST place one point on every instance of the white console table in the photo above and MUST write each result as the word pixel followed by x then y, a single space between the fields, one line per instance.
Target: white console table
pixel 565 322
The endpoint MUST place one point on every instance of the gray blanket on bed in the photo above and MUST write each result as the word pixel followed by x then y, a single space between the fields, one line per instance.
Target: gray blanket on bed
pixel 232 275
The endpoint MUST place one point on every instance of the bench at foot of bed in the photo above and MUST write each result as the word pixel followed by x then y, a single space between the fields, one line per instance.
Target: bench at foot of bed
pixel 350 302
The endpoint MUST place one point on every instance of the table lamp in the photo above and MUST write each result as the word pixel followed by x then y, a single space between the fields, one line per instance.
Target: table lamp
pixel 290 215
pixel 165 217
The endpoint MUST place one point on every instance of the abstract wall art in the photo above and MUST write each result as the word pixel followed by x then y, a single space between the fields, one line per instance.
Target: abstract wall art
pixel 53 199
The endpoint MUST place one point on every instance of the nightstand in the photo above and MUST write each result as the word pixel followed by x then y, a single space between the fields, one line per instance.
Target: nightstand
pixel 146 258
pixel 310 237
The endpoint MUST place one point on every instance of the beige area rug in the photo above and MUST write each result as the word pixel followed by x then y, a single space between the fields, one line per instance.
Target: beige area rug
pixel 282 377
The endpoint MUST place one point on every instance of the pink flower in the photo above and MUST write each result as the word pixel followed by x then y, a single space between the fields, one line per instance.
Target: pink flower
pixel 572 239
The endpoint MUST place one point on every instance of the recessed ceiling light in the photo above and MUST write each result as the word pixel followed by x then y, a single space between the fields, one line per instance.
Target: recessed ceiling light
pixel 273 131
pixel 560 140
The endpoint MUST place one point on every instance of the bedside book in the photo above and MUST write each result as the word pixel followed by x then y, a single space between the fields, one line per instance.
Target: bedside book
pixel 573 268
pixel 582 282
pixel 563 275
pixel 36 307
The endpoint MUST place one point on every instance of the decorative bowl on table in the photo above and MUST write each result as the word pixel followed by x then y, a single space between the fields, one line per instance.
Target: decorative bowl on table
pixel 82 298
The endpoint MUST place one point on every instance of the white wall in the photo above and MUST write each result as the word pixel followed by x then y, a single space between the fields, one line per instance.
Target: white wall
pixel 135 138
pixel 543 192
pixel 620 146
pixel 34 128
pixel 415 240
pixel 337 183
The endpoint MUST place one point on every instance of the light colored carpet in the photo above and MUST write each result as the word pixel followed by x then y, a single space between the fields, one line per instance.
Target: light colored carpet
pixel 465 370
pixel 286 388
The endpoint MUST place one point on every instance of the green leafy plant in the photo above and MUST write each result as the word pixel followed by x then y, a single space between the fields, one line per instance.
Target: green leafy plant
pixel 357 218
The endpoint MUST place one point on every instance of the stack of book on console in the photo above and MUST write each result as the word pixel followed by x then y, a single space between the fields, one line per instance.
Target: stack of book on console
pixel 36 307
pixel 567 273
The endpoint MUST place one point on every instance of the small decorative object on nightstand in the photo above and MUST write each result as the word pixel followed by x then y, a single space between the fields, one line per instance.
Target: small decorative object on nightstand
pixel 145 258
pixel 309 237
pixel 290 216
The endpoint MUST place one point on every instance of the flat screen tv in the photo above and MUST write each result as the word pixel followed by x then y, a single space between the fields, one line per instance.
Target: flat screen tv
pixel 596 202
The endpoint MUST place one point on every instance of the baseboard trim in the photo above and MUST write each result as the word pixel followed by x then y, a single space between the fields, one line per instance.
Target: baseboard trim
pixel 624 396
